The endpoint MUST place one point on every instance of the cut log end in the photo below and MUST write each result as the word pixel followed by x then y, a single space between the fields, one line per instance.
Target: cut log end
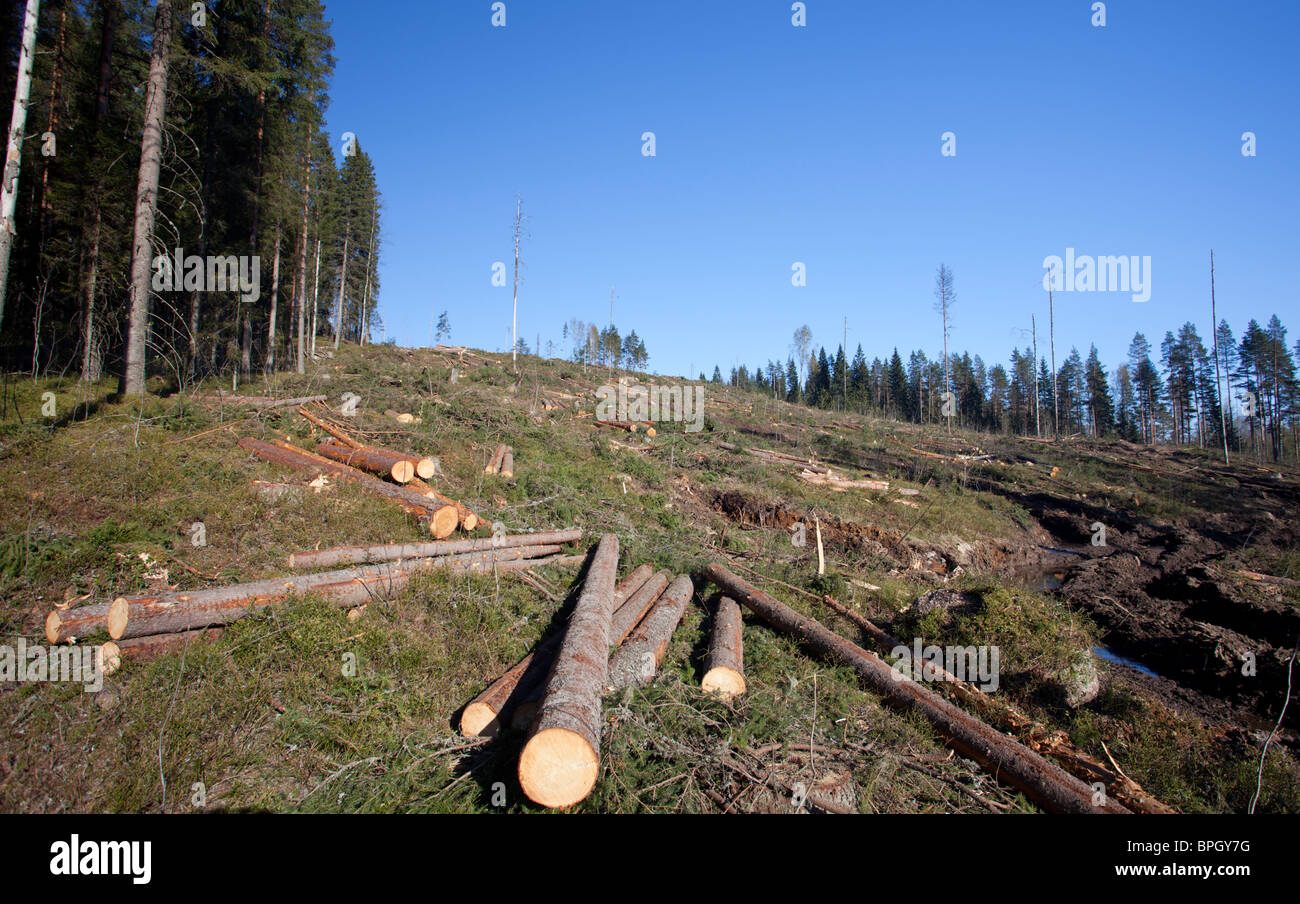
pixel 402 471
pixel 110 657
pixel 558 768
pixel 443 522
pixel 723 681
pixel 426 468
pixel 479 721
pixel 52 625
pixel 117 617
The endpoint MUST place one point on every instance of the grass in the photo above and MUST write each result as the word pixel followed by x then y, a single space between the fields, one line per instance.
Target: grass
pixel 266 717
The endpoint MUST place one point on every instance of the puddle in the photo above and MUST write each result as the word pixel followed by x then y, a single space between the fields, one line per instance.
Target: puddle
pixel 1111 656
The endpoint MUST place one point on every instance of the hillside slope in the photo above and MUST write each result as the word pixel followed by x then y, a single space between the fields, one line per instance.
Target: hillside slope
pixel 100 500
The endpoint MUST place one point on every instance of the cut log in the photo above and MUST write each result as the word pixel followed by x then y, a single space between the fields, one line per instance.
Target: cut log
pixel 398 467
pixel 1005 758
pixel 628 613
pixel 638 658
pixel 144 649
pixel 494 463
pixel 560 762
pixel 363 555
pixel 509 693
pixel 1037 736
pixel 724 666
pixel 440 518
pixel 71 625
pixel 631 583
pixel 185 610
pixel 468 519
pixel 508 464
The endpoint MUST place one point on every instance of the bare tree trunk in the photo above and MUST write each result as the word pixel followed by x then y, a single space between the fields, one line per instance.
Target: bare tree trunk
pixel 363 316
pixel 91 362
pixel 146 200
pixel 14 153
pixel 1051 329
pixel 301 300
pixel 269 367
pixel 315 297
pixel 514 316
pixel 343 282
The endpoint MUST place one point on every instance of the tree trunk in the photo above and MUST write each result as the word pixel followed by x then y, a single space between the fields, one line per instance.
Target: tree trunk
pixel 14 153
pixel 146 201
pixel 300 293
pixel 315 297
pixel 724 666
pixel 508 464
pixel 1046 784
pixel 349 555
pixel 269 366
pixel 560 762
pixel 638 658
pixel 343 282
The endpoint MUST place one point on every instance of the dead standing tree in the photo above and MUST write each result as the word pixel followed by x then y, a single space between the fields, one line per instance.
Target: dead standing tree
pixel 944 295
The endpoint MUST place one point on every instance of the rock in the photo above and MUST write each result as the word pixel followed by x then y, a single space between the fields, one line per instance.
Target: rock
pixel 1079 682
pixel 953 602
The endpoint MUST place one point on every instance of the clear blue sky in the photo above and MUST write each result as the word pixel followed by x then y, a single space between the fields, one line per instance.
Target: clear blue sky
pixel 821 144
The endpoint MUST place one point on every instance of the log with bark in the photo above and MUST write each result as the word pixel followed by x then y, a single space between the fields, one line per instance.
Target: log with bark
pixel 399 467
pixel 508 464
pixel 560 762
pixel 486 713
pixel 184 610
pixel 638 658
pixel 627 615
pixel 724 666
pixel 145 649
pixel 441 519
pixel 468 519
pixel 362 555
pixel 494 463
pixel 1003 715
pixel 1005 758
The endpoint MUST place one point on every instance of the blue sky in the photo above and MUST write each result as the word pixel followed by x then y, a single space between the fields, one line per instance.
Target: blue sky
pixel 821 144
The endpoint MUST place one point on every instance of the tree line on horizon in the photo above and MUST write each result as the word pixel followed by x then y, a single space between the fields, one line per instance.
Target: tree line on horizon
pixel 208 123
pixel 1169 395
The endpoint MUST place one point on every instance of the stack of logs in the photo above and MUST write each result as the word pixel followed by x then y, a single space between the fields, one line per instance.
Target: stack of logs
pixel 146 624
pixel 554 693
